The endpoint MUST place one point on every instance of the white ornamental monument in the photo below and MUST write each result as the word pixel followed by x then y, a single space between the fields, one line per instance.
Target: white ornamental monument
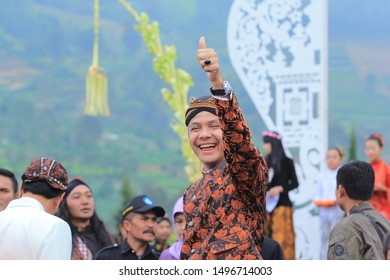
pixel 279 50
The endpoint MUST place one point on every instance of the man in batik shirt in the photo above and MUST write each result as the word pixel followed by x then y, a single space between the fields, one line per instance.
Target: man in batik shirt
pixel 224 209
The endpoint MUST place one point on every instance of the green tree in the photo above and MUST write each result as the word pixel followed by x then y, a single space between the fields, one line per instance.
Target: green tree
pixel 126 192
pixel 352 154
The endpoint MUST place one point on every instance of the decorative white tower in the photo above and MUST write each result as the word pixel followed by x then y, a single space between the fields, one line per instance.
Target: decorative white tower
pixel 279 50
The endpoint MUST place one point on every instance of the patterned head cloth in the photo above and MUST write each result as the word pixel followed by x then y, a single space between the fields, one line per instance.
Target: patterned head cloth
pixel 197 105
pixel 44 169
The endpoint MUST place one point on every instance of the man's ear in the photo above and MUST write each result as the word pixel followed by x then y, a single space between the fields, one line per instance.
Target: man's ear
pixel 58 200
pixel 341 190
pixel 126 225
pixel 21 191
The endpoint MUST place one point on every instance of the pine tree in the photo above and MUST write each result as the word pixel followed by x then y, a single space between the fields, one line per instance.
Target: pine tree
pixel 126 192
pixel 352 155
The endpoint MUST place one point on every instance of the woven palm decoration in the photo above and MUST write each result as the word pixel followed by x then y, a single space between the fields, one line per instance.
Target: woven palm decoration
pixel 179 80
pixel 96 80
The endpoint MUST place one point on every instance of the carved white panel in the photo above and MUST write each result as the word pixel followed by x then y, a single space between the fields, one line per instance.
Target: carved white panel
pixel 279 50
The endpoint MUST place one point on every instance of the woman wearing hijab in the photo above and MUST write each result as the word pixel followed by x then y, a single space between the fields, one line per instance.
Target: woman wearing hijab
pixel 173 252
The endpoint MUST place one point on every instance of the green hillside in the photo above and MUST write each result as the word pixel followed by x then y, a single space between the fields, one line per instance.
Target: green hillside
pixel 46 49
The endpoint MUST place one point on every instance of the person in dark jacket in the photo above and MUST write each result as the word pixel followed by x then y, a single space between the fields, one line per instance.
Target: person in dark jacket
pixel 360 234
pixel 139 219
pixel 271 249
pixel 282 180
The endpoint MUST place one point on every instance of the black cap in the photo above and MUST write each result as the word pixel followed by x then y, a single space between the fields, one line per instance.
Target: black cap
pixel 142 204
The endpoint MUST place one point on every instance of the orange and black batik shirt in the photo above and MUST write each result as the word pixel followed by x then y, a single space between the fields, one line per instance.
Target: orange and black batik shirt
pixel 225 209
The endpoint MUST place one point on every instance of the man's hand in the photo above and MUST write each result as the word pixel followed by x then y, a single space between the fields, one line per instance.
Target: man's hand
pixel 212 69
pixel 275 190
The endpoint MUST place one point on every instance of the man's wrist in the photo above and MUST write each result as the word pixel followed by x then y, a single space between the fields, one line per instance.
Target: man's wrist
pixel 225 91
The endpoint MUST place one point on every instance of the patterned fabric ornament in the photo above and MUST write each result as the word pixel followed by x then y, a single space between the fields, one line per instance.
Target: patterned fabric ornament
pixel 96 80
pixel 85 253
pixel 197 105
pixel 45 169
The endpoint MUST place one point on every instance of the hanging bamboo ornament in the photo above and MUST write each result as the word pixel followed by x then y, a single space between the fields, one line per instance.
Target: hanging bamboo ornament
pixel 96 80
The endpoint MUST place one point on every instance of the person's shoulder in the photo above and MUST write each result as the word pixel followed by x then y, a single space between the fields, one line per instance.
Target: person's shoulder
pixel 288 163
pixel 110 248
pixel 108 252
pixel 379 217
pixel 323 174
pixel 348 219
pixel 271 249
pixel 288 160
pixel 53 219
pixel 350 224
pixel 387 166
pixel 113 237
pixel 269 244
pixel 165 255
pixel 191 188
pixel 62 225
pixel 56 219
pixel 339 231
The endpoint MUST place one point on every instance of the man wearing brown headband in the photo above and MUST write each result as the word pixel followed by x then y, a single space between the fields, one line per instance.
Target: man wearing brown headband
pixel 28 228
pixel 224 210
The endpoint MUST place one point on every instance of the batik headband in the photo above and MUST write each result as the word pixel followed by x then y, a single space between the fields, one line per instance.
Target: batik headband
pixel 49 170
pixel 197 105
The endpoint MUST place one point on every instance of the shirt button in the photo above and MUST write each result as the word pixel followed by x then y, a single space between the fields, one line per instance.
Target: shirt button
pixel 193 251
pixel 190 224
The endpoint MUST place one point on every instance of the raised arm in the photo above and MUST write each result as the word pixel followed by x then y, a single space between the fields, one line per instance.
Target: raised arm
pixel 245 162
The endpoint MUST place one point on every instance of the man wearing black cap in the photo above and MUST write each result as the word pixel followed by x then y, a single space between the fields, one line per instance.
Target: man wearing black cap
pixel 224 209
pixel 28 228
pixel 139 219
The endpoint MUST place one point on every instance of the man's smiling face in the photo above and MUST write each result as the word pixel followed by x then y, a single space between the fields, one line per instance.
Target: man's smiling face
pixel 205 136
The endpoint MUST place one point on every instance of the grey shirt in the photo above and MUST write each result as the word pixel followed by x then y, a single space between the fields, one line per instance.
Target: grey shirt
pixel 355 237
